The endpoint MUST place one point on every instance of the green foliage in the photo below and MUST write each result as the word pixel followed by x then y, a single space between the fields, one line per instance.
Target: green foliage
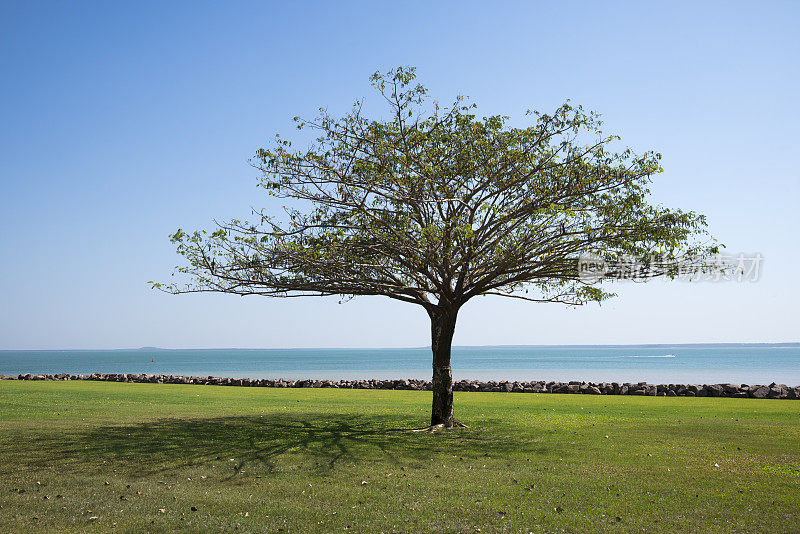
pixel 436 205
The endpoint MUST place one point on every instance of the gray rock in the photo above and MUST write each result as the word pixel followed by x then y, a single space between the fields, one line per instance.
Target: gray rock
pixel 729 390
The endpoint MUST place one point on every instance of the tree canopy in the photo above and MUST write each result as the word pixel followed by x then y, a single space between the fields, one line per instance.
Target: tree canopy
pixel 436 205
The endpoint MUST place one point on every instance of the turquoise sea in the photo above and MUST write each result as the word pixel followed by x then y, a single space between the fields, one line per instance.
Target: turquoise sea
pixel 695 363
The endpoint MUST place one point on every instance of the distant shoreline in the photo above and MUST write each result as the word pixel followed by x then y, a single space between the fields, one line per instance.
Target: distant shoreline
pixel 757 391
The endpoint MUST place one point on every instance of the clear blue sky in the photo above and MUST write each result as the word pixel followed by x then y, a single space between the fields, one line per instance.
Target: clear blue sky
pixel 120 122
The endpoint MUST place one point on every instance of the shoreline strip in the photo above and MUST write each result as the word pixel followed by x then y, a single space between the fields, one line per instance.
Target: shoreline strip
pixel 758 391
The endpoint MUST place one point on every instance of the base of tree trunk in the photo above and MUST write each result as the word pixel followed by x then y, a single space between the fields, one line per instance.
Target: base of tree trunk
pixel 453 423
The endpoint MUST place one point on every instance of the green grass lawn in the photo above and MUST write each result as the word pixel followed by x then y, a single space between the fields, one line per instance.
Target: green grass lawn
pixel 96 456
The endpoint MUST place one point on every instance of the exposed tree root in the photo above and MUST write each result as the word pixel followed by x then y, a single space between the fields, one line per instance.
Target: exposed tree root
pixel 455 423
pixel 430 429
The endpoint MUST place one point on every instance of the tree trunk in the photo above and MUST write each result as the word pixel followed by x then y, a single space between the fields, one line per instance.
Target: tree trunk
pixel 443 325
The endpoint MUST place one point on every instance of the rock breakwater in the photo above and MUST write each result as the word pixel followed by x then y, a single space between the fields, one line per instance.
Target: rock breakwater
pixel 758 391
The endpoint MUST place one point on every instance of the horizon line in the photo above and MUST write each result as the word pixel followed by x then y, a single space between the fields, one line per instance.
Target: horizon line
pixel 426 347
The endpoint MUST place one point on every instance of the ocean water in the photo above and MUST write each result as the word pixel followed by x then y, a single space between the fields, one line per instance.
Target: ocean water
pixel 698 363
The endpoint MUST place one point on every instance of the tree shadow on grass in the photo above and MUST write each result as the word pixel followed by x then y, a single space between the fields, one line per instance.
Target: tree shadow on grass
pixel 321 441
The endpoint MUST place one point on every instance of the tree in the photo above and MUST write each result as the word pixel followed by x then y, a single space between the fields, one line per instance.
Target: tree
pixel 437 207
